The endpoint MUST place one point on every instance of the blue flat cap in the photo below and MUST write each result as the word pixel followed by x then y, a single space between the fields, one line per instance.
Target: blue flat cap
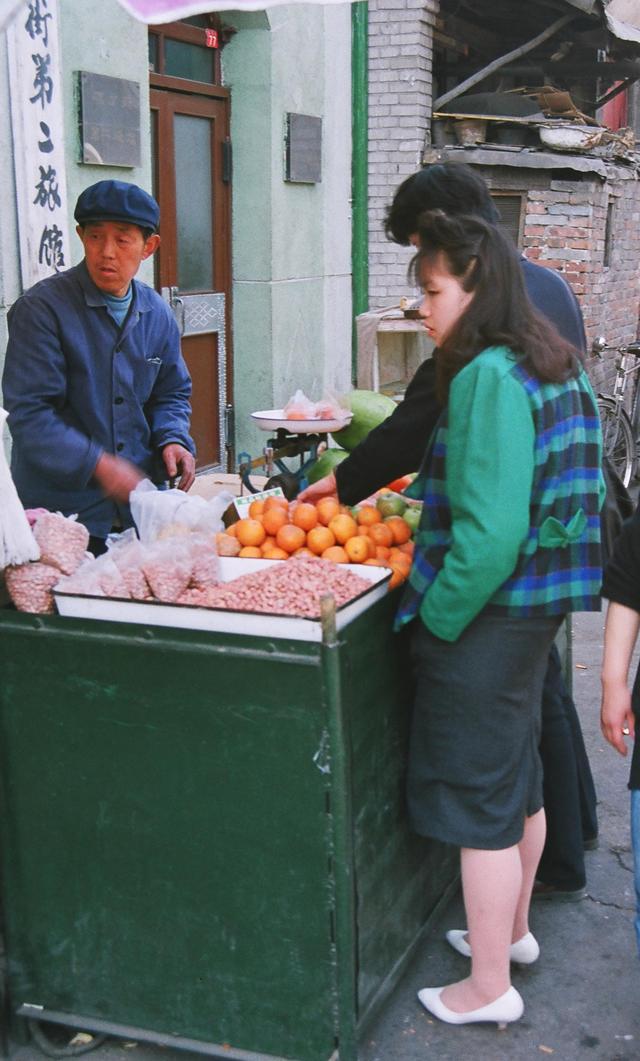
pixel 117 201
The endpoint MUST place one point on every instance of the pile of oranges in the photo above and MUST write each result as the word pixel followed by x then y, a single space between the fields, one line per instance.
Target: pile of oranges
pixel 276 530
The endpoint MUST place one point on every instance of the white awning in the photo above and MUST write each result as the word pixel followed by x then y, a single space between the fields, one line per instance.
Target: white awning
pixel 151 11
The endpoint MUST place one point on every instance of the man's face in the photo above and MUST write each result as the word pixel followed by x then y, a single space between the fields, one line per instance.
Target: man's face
pixel 113 252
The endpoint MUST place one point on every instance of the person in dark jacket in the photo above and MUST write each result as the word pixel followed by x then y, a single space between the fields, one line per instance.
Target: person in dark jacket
pixel 397 446
pixel 94 382
pixel 620 712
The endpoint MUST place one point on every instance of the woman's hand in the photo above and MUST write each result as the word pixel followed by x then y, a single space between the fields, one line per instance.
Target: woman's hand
pixel 616 715
pixel 323 488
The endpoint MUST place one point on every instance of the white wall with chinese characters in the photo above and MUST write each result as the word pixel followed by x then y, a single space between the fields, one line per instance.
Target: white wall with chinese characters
pixel 94 35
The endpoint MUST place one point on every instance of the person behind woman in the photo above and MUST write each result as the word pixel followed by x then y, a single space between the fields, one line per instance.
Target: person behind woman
pixel 509 542
pixel 620 711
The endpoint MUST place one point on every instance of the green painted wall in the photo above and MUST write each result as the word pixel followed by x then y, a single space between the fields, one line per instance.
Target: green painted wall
pixel 291 242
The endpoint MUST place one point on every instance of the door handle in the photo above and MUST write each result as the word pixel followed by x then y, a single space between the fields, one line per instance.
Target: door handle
pixel 177 305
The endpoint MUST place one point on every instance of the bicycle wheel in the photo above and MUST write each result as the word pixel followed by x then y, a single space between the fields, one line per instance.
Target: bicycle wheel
pixel 617 436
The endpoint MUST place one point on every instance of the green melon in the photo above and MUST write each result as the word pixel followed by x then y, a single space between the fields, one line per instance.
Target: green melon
pixel 325 464
pixel 369 409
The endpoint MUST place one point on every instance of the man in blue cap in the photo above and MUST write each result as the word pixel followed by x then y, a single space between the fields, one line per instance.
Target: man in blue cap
pixel 97 391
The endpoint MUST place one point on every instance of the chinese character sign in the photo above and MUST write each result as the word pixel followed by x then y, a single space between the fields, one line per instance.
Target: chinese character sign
pixel 38 136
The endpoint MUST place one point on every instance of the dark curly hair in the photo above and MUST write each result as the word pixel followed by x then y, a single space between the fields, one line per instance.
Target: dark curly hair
pixel 450 186
pixel 486 263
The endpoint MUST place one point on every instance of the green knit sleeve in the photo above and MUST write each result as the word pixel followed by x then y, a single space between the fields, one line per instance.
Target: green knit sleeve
pixel 489 475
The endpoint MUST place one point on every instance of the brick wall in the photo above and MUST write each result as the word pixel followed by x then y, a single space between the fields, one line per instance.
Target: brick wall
pixel 400 54
pixel 565 229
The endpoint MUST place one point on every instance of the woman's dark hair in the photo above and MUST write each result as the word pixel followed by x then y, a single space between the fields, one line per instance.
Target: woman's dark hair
pixel 450 186
pixel 486 263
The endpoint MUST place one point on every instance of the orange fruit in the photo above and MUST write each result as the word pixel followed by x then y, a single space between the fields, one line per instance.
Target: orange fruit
pixel 305 516
pixel 274 518
pixel 256 508
pixel 399 560
pixel 397 578
pixel 274 553
pixel 343 526
pixel 407 547
pixel 327 508
pixel 290 538
pixel 337 554
pixel 399 528
pixel 374 563
pixel 250 532
pixel 357 549
pixel 367 515
pixel 382 554
pixel 251 551
pixel 269 542
pixel 381 534
pixel 319 539
pixel 303 552
pixel 231 529
pixel 275 502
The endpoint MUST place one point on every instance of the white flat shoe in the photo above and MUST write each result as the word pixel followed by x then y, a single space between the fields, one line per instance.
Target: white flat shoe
pixel 524 951
pixel 503 1010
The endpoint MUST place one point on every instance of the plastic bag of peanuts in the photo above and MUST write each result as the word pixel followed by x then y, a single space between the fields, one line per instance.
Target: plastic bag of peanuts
pixel 63 543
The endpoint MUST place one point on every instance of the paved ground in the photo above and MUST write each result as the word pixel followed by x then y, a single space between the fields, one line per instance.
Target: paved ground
pixel 582 998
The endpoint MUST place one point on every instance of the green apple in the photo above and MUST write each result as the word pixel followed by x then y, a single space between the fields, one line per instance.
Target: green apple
pixel 390 505
pixel 412 515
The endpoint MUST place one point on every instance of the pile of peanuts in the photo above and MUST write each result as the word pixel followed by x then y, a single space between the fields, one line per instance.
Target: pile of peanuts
pixel 294 588
pixel 63 543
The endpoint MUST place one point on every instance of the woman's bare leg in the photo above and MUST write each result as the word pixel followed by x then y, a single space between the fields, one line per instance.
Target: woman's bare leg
pixel 491 887
pixel 530 848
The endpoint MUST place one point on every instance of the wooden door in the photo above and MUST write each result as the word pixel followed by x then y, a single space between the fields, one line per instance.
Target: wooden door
pixel 190 146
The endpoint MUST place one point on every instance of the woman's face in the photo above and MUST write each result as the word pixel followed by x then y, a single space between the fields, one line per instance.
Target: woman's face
pixel 444 299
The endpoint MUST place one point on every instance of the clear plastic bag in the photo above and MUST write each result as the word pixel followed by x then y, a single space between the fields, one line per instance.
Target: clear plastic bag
pixel 63 541
pixel 31 585
pixel 299 407
pixel 160 514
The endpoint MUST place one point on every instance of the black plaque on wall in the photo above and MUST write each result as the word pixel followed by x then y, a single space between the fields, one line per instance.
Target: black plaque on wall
pixel 109 120
pixel 304 149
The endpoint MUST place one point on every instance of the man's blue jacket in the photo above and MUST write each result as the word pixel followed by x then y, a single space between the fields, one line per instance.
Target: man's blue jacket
pixel 75 386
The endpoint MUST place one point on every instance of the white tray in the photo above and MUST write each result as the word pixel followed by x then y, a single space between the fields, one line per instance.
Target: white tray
pixel 218 620
pixel 272 419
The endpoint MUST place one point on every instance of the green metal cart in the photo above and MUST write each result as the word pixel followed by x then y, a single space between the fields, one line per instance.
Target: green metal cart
pixel 203 835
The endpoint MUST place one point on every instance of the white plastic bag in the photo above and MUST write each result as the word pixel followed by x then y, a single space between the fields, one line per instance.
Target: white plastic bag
pixel 160 514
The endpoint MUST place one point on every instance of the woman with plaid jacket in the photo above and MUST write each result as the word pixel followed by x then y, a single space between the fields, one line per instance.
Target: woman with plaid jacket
pixel 509 542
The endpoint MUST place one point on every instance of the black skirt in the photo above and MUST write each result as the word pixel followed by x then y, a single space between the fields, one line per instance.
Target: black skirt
pixel 474 767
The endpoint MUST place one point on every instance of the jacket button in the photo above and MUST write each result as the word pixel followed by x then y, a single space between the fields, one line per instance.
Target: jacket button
pixel 120 446
pixel 118 401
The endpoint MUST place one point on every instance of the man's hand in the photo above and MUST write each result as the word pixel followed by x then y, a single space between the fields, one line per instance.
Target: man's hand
pixel 116 476
pixel 176 459
pixel 323 488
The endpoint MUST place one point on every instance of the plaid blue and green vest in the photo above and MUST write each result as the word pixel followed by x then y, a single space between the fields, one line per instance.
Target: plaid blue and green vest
pixel 558 567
